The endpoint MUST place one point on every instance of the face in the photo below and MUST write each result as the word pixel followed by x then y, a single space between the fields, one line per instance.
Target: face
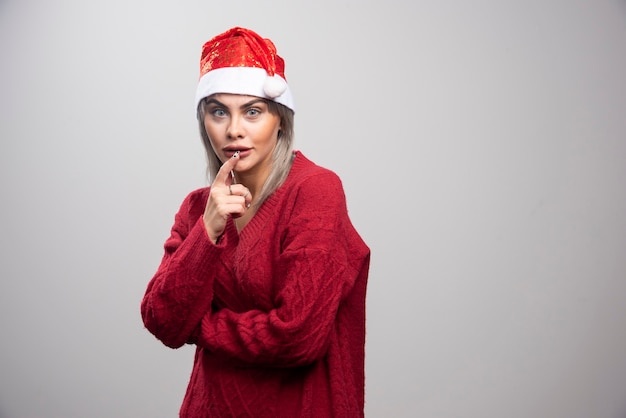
pixel 241 123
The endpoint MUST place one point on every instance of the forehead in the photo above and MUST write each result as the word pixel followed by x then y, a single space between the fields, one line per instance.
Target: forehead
pixel 235 99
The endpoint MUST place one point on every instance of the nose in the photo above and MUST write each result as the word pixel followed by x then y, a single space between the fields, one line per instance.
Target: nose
pixel 235 128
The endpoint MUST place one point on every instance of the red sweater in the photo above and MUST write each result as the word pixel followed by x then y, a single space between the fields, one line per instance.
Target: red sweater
pixel 277 312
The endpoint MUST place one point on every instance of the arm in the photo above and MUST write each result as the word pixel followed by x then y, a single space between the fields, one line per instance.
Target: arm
pixel 181 291
pixel 312 276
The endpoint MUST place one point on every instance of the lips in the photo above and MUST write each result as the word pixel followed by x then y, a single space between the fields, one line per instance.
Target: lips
pixel 232 150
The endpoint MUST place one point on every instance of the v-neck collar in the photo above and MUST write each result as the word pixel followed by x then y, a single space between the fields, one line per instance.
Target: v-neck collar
pixel 265 211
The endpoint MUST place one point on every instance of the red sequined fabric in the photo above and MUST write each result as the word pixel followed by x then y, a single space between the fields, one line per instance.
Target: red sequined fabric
pixel 241 47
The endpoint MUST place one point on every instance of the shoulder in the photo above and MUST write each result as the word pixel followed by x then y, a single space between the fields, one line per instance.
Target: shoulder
pixel 193 204
pixel 305 171
pixel 309 183
pixel 199 195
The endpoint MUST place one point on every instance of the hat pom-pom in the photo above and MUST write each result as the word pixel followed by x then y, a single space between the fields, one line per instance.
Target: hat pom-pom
pixel 274 86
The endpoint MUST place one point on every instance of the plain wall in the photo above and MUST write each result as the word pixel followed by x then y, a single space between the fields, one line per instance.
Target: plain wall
pixel 482 147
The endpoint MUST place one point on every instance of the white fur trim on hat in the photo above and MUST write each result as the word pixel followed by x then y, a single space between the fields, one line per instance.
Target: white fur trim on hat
pixel 245 80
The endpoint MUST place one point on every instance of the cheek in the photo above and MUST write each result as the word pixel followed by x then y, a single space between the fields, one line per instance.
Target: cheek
pixel 211 131
pixel 207 126
pixel 273 129
pixel 273 132
pixel 212 137
pixel 271 135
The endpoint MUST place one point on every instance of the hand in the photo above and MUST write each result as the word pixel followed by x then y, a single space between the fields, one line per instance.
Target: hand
pixel 225 199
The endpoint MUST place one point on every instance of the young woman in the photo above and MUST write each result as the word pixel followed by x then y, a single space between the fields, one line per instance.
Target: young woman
pixel 263 270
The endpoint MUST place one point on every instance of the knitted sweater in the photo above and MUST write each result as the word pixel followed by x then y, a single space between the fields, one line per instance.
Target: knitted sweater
pixel 277 312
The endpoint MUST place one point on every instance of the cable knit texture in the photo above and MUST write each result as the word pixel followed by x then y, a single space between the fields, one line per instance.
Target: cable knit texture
pixel 277 312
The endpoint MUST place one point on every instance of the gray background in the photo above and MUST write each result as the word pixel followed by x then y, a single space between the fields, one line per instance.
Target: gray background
pixel 483 151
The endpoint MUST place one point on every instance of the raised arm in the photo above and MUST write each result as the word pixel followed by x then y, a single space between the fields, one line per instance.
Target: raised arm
pixel 181 291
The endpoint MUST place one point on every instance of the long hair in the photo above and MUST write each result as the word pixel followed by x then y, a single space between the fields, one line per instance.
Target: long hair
pixel 281 158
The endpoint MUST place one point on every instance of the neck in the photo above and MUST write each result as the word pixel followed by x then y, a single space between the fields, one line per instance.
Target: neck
pixel 253 181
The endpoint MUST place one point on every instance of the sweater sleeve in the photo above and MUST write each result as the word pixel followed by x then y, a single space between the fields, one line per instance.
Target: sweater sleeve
pixel 312 276
pixel 181 290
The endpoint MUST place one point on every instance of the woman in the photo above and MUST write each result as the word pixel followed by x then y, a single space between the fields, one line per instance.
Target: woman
pixel 263 270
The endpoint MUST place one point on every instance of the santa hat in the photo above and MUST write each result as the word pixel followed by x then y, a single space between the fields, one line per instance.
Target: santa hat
pixel 239 61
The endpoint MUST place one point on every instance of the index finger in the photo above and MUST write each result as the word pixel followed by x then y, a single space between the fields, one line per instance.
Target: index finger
pixel 223 174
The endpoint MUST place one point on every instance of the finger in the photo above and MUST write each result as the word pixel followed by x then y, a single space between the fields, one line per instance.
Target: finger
pixel 247 198
pixel 223 176
pixel 242 191
pixel 237 211
pixel 235 207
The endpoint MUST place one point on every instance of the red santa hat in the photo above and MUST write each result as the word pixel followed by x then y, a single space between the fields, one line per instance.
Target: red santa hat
pixel 239 61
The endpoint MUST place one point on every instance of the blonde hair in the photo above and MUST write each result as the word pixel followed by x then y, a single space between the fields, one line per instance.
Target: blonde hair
pixel 281 159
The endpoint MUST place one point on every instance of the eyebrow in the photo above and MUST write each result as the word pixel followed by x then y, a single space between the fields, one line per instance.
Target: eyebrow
pixel 243 106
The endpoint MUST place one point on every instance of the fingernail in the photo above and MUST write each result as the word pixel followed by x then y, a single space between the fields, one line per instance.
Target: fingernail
pixel 236 154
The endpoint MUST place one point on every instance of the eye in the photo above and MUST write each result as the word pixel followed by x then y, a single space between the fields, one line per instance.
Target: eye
pixel 253 112
pixel 218 112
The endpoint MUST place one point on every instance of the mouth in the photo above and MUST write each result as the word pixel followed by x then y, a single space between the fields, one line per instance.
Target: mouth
pixel 230 151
